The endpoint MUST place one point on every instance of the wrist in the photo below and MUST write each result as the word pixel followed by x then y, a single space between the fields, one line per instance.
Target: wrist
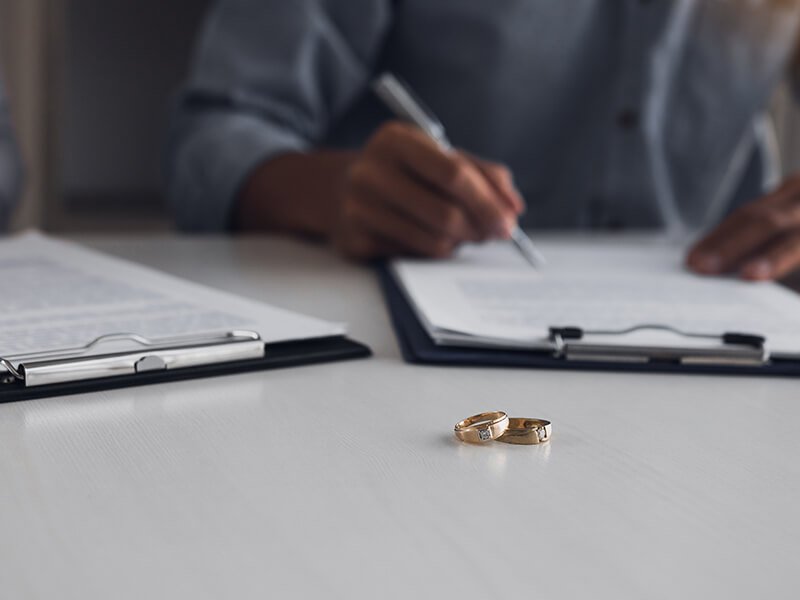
pixel 294 193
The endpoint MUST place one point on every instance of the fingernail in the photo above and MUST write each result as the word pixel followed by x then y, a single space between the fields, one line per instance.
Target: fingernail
pixel 758 269
pixel 504 228
pixel 708 263
pixel 522 206
pixel 520 199
pixel 511 224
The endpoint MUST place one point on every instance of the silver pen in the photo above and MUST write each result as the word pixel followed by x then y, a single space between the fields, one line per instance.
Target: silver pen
pixel 405 105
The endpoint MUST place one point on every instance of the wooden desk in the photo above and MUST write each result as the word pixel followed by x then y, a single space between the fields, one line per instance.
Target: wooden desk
pixel 344 480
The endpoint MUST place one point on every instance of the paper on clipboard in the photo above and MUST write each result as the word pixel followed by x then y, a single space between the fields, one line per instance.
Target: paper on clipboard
pixel 488 296
pixel 59 295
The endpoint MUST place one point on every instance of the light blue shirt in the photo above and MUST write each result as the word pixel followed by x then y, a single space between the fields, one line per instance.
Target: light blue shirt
pixel 631 113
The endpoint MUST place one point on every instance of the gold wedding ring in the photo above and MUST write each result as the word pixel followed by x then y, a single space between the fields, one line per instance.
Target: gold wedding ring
pixel 526 431
pixel 481 428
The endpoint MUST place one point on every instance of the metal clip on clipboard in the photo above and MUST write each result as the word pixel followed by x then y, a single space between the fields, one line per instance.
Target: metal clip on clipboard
pixel 73 364
pixel 738 349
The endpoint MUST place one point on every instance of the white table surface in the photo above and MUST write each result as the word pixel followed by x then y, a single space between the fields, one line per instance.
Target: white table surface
pixel 345 481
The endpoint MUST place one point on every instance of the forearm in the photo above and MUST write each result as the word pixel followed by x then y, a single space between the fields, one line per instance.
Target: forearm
pixel 294 193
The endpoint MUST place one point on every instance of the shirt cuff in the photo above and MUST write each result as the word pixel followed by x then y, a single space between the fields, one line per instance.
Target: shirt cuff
pixel 214 163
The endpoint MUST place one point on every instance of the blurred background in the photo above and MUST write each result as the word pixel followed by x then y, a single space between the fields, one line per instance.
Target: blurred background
pixel 90 84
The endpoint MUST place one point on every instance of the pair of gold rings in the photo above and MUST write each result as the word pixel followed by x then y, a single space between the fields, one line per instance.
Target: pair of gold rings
pixel 497 426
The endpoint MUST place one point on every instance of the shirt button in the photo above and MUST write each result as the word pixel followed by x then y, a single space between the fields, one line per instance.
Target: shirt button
pixel 628 119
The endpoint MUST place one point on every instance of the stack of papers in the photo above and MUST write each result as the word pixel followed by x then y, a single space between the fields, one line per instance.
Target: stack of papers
pixel 57 295
pixel 488 296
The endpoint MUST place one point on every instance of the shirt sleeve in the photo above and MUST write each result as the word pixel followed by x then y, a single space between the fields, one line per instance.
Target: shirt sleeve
pixel 269 77
pixel 10 165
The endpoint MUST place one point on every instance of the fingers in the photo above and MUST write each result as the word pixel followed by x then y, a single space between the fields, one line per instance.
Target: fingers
pixel 747 240
pixel 777 260
pixel 735 239
pixel 490 214
pixel 398 228
pixel 405 195
pixel 501 177
pixel 369 232
pixel 451 174
pixel 361 245
pixel 417 202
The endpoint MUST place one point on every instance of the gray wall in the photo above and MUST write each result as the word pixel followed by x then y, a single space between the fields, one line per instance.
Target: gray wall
pixel 123 62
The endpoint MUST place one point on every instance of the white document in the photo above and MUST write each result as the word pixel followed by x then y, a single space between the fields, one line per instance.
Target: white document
pixel 489 296
pixel 56 295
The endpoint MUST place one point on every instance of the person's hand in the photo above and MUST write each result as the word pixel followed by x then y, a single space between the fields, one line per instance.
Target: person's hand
pixel 759 241
pixel 403 195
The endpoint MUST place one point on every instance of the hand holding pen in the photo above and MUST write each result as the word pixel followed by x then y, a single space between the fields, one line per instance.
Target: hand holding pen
pixel 408 193
pixel 401 100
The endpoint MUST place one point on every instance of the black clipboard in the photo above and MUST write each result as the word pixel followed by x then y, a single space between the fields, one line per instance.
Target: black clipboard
pixel 417 347
pixel 275 356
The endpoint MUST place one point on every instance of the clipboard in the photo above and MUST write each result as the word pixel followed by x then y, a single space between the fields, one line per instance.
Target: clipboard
pixel 80 370
pixel 739 354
